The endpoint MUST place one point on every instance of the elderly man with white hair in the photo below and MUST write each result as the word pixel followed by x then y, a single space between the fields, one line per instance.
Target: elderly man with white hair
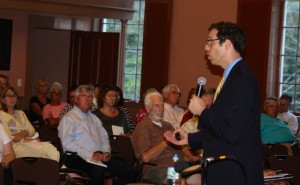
pixel 172 113
pixel 149 143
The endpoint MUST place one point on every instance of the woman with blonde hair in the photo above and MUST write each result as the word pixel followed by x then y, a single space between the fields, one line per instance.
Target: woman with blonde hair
pixel 38 101
pixel 19 126
pixel 20 131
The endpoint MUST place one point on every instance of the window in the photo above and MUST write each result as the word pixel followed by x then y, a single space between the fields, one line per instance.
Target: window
pixel 133 50
pixel 289 81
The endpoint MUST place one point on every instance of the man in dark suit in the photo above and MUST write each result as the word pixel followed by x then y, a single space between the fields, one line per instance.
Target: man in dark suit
pixel 231 126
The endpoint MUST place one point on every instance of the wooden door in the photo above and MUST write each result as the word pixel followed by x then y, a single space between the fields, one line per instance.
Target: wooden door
pixel 94 58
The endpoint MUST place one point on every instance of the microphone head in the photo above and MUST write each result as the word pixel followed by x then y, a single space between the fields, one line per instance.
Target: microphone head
pixel 201 80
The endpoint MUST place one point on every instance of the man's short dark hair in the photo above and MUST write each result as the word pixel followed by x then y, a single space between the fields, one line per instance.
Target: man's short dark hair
pixel 232 32
pixel 286 97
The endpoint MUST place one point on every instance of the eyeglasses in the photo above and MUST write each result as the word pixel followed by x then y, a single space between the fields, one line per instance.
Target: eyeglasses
pixel 86 96
pixel 56 94
pixel 175 93
pixel 209 42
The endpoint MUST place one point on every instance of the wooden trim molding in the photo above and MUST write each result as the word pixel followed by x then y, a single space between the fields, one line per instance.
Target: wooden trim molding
pixel 91 8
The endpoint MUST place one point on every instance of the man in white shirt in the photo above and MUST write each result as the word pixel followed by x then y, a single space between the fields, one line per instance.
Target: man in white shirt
pixel 172 112
pixel 82 132
pixel 289 118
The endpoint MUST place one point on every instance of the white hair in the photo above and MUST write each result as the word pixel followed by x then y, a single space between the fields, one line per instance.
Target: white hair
pixel 57 86
pixel 167 88
pixel 148 98
pixel 83 88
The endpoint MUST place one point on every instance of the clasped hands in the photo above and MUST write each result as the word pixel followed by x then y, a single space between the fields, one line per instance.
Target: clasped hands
pixel 100 156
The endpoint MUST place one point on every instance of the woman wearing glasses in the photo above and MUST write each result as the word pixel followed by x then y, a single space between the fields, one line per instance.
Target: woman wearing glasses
pixel 19 126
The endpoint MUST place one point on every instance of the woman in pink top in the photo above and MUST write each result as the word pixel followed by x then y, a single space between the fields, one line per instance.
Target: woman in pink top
pixel 52 110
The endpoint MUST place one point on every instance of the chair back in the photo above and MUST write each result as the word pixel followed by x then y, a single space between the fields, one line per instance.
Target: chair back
pixel 274 149
pixel 295 149
pixel 122 148
pixel 288 164
pixel 1 175
pixel 38 171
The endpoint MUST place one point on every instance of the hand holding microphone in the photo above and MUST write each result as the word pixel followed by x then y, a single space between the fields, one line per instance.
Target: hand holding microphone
pixel 197 105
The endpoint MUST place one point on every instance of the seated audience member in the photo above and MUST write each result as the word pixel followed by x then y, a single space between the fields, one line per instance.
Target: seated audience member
pixel 19 129
pixel 142 112
pixel 172 112
pixel 120 105
pixel 187 121
pixel 108 112
pixel 149 143
pixel 37 102
pixel 273 130
pixel 19 126
pixel 52 110
pixel 285 115
pixel 82 132
pixel 7 154
pixel 71 102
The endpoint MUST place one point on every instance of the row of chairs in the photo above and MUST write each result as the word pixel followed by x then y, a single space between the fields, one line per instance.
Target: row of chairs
pixel 121 148
pixel 42 171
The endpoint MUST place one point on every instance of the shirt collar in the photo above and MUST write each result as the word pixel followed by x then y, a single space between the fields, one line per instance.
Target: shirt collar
pixel 158 123
pixel 80 112
pixel 230 66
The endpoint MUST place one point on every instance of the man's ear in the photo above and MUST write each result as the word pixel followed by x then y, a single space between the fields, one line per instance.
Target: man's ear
pixel 147 108
pixel 228 44
pixel 76 99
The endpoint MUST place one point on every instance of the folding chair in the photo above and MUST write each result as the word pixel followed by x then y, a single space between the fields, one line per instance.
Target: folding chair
pixel 42 171
pixel 1 175
pixel 35 171
pixel 272 149
pixel 122 149
pixel 287 164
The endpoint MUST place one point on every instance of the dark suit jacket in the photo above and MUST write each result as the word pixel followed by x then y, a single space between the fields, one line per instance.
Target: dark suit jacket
pixel 231 127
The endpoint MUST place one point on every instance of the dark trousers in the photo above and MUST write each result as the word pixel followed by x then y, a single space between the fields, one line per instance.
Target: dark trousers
pixel 8 180
pixel 122 170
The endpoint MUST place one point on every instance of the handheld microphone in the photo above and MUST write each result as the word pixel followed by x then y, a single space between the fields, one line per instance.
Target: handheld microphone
pixel 201 82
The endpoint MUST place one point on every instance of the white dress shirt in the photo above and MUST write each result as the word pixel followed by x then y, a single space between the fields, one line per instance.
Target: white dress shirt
pixel 173 115
pixel 290 119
